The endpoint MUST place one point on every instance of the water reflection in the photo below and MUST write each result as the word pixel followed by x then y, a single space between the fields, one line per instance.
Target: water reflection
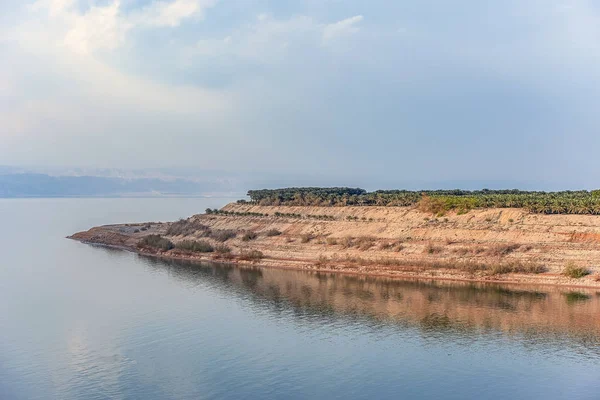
pixel 453 310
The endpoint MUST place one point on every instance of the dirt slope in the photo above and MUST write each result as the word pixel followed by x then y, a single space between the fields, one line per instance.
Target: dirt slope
pixel 394 241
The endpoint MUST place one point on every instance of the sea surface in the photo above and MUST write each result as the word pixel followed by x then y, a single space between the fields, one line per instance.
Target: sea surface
pixel 87 322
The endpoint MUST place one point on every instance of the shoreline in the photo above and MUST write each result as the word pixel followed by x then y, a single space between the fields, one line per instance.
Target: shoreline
pixel 502 246
pixel 402 274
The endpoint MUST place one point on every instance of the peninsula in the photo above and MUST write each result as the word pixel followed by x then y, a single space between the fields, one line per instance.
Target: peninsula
pixel 489 235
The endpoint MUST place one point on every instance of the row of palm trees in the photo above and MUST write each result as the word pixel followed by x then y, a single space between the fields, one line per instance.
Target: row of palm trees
pixel 566 202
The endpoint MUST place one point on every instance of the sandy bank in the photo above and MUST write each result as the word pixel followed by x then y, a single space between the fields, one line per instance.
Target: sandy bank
pixel 397 242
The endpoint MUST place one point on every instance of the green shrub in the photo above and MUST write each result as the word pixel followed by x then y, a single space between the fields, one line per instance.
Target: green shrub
pixel 157 242
pixel 195 246
pixel 575 272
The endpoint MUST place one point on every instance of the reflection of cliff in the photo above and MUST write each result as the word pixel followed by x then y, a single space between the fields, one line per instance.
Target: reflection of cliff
pixel 434 307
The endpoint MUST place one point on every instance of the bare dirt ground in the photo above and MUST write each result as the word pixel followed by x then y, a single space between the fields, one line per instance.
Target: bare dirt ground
pixel 392 241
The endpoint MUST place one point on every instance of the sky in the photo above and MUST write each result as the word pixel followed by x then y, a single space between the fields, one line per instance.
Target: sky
pixel 348 90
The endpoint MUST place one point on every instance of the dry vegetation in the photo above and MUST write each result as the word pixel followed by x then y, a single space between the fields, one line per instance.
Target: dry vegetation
pixel 464 266
pixel 251 255
pixel 246 237
pixel 187 227
pixel 156 242
pixel 200 246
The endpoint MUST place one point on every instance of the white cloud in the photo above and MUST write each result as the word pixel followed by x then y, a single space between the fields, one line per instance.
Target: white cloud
pixel 265 42
pixel 105 27
pixel 269 40
pixel 341 28
pixel 99 28
pixel 172 13
pixel 54 7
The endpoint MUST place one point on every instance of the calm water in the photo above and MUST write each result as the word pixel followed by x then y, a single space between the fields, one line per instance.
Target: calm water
pixel 84 322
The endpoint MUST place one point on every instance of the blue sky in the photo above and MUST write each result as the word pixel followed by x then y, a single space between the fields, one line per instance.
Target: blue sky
pixel 392 91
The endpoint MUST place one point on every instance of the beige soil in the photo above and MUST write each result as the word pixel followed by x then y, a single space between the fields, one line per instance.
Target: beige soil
pixel 403 234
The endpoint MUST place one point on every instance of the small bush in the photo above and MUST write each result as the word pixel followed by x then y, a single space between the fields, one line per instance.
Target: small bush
pixel 186 227
pixel 501 250
pixel 305 238
pixel 222 249
pixel 195 246
pixel 322 261
pixel 157 242
pixel 223 235
pixel 251 255
pixel 386 246
pixel 272 232
pixel 516 267
pixel 332 241
pixel 575 272
pixel 249 236
pixel 223 252
pixel 432 249
pixel 347 242
pixel 365 242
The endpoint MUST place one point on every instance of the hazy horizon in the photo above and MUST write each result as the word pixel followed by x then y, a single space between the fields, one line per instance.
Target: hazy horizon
pixel 78 181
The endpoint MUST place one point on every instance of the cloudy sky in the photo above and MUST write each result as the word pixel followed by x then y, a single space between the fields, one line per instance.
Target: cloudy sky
pixel 406 90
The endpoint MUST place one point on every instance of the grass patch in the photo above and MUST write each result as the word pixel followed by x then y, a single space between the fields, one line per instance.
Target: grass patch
pixel 573 271
pixel 157 242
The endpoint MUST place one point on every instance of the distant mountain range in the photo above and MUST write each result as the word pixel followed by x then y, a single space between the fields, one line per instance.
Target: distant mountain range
pixel 43 185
